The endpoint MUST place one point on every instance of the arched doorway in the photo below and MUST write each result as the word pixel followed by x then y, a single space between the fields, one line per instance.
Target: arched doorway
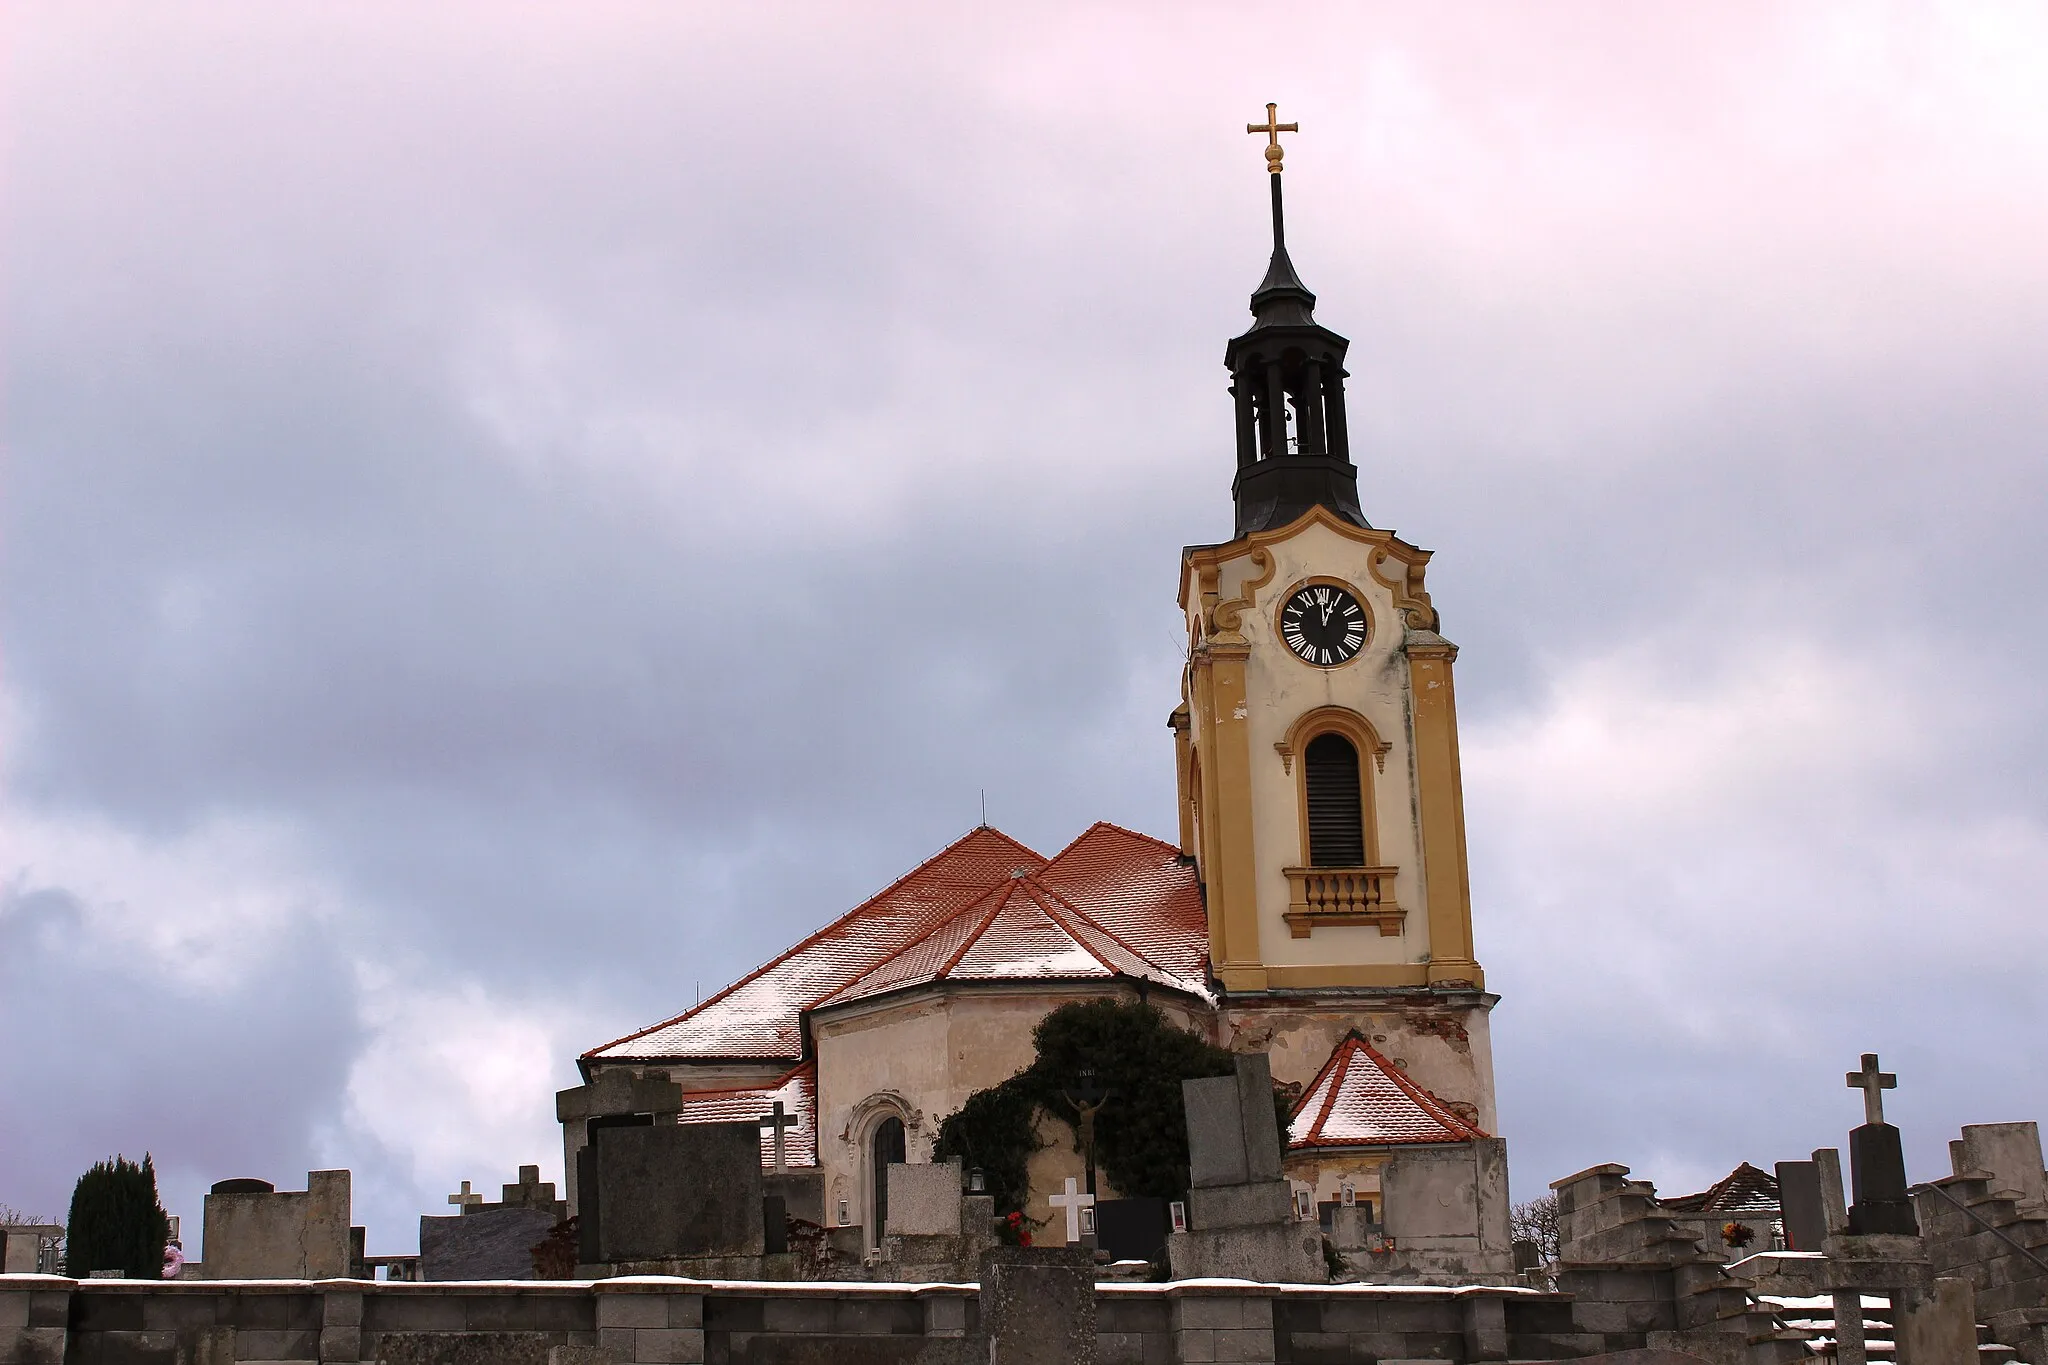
pixel 885 1146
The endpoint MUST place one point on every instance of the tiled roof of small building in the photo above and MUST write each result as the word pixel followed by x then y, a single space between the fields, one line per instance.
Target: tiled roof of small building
pixel 1746 1189
pixel 1126 903
pixel 1360 1099
pixel 798 1092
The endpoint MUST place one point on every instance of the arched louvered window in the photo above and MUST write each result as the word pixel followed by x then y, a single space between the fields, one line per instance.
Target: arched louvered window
pixel 1336 807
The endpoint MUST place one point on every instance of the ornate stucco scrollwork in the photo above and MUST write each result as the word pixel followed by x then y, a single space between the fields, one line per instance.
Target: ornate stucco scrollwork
pixel 1226 618
pixel 1406 585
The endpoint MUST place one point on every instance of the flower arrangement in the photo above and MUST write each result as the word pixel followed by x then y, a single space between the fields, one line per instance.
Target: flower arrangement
pixel 1010 1231
pixel 1738 1235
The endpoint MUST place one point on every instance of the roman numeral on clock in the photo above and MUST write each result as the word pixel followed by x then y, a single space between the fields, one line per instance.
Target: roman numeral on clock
pixel 1323 624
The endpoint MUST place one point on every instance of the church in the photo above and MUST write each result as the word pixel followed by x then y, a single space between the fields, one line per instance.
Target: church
pixel 1314 905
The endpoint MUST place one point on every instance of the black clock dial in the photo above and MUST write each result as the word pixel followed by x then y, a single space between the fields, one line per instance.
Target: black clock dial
pixel 1323 625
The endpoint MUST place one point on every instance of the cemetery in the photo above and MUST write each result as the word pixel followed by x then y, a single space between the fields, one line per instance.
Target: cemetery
pixel 685 1252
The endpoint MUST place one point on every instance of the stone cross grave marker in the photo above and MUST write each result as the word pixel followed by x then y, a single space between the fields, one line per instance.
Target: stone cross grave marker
pixel 1873 1083
pixel 1877 1161
pixel 531 1192
pixel 1073 1201
pixel 778 1120
pixel 464 1200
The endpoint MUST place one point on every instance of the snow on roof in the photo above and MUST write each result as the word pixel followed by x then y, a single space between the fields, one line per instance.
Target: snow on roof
pixel 798 1092
pixel 1360 1099
pixel 1142 890
pixel 1112 903
pixel 1746 1189
pixel 1019 930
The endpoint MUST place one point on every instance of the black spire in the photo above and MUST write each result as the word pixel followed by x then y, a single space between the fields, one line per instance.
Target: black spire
pixel 1287 375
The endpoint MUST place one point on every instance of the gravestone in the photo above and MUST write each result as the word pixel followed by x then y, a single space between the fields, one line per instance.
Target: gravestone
pixel 1936 1325
pixel 1799 1202
pixel 1877 1162
pixel 1131 1229
pixel 30 1248
pixel 933 1230
pixel 613 1098
pixel 1240 1208
pixel 531 1192
pixel 1038 1306
pixel 490 1244
pixel 924 1200
pixel 678 1191
pixel 256 1232
pixel 777 1122
pixel 2010 1153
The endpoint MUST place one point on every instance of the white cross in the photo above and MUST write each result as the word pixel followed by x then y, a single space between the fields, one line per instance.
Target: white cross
pixel 1873 1083
pixel 464 1199
pixel 778 1121
pixel 1073 1201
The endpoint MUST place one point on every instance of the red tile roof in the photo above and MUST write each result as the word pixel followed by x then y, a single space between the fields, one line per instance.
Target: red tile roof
pixel 1019 930
pixel 1360 1099
pixel 1746 1189
pixel 1139 888
pixel 1111 903
pixel 798 1092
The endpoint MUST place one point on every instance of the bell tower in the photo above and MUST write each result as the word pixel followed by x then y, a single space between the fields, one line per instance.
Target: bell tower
pixel 1317 739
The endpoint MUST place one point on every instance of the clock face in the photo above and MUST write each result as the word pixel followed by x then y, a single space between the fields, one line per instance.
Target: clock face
pixel 1323 624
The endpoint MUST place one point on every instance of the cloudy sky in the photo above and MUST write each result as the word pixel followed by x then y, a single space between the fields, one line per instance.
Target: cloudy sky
pixel 512 514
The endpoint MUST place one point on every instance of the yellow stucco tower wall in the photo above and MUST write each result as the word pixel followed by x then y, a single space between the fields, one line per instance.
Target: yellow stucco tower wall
pixel 1305 953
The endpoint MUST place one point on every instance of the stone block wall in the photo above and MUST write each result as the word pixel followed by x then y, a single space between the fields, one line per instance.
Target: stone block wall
pixel 45 1320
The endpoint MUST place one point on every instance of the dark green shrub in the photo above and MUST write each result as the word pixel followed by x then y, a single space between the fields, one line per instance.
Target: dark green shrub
pixel 116 1222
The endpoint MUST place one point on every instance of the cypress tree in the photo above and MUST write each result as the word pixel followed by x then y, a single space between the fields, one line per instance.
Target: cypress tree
pixel 116 1222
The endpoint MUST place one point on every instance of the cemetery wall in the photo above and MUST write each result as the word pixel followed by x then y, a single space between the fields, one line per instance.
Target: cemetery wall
pixel 45 1320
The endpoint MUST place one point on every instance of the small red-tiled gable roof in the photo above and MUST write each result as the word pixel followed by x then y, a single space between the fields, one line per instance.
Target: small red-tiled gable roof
pixel 1139 888
pixel 1360 1099
pixel 757 1016
pixel 1746 1189
pixel 798 1092
pixel 1019 931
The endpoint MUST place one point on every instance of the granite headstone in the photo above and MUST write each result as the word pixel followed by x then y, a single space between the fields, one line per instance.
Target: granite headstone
pixel 1131 1229
pixel 492 1244
pixel 1038 1306
pixel 924 1199
pixel 672 1191
pixel 1799 1203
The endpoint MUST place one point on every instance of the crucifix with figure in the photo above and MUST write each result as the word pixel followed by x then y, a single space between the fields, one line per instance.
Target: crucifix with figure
pixel 778 1120
pixel 1873 1083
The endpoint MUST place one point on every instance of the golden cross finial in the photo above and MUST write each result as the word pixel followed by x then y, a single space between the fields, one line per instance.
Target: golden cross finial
pixel 1272 128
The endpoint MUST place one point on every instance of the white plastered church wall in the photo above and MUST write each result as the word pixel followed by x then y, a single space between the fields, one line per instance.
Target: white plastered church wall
pixel 922 1054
